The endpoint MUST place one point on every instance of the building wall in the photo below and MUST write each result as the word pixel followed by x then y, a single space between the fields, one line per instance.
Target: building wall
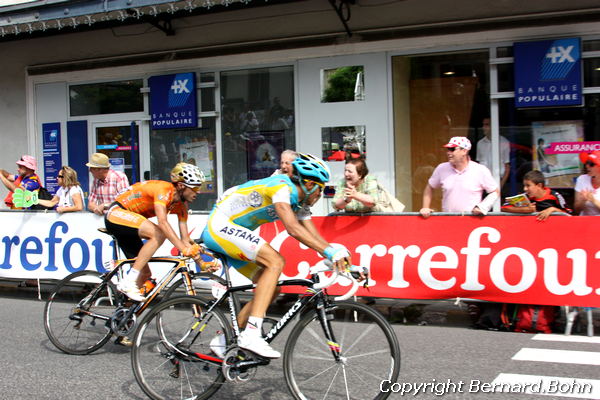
pixel 223 37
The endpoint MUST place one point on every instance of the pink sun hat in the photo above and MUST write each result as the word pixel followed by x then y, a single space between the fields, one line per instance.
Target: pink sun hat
pixel 28 162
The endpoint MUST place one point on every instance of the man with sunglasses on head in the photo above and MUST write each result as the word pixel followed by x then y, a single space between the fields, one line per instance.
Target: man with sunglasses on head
pixel 127 219
pixel 463 182
pixel 230 230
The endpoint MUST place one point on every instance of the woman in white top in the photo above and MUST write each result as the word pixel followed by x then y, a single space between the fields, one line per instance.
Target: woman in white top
pixel 69 196
pixel 587 187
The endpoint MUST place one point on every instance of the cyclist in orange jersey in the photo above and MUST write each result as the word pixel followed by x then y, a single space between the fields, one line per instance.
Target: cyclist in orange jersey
pixel 127 220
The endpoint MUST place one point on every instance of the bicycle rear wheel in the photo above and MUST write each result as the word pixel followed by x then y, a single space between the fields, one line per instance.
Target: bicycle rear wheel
pixel 77 311
pixel 368 349
pixel 171 355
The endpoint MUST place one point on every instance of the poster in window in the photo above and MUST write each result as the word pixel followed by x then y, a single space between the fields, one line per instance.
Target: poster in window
pixel 199 154
pixel 558 168
pixel 264 154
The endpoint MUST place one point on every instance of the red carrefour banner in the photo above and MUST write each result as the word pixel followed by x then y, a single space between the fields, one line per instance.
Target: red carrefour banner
pixel 514 259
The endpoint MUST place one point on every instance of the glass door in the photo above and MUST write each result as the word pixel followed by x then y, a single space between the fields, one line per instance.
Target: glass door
pixel 120 142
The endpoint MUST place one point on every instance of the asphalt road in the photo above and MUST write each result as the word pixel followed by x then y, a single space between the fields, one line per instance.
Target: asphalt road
pixel 435 357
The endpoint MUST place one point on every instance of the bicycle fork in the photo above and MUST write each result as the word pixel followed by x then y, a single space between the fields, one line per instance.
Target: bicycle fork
pixel 325 315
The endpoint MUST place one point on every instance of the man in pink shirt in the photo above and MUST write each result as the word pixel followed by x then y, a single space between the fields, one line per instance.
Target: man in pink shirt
pixel 462 181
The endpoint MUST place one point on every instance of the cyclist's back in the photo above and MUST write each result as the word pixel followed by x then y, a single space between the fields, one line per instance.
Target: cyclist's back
pixel 253 203
pixel 141 197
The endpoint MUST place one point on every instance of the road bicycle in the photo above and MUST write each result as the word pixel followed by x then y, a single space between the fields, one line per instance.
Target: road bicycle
pixel 85 309
pixel 336 349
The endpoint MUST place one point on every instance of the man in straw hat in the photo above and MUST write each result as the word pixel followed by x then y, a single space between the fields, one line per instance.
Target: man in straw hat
pixel 107 184
pixel 26 178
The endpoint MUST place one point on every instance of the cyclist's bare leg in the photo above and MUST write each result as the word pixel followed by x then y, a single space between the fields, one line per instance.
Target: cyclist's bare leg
pixel 266 282
pixel 154 239
pixel 245 311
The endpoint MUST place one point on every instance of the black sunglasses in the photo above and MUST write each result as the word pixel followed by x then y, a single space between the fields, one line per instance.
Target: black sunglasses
pixel 590 164
pixel 451 149
pixel 59 176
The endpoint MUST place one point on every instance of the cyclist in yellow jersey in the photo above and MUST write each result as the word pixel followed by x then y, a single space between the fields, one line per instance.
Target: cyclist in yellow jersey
pixel 230 230
pixel 127 220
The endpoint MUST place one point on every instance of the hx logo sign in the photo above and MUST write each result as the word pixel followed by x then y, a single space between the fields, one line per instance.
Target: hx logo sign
pixel 181 88
pixel 548 73
pixel 560 58
pixel 173 102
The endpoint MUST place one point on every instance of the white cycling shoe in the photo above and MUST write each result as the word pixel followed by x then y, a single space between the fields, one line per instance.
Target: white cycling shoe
pixel 218 346
pixel 258 345
pixel 130 290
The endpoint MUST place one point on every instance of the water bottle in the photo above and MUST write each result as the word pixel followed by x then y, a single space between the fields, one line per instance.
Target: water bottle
pixel 148 286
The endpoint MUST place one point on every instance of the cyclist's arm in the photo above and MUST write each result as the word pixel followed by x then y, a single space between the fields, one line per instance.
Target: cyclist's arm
pixel 183 231
pixel 310 227
pixel 165 227
pixel 297 230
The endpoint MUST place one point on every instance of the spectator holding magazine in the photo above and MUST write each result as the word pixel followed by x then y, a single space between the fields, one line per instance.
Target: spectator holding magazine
pixel 537 198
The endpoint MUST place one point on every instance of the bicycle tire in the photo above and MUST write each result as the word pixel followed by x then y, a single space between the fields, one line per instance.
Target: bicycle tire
pixel 370 355
pixel 177 288
pixel 163 372
pixel 77 332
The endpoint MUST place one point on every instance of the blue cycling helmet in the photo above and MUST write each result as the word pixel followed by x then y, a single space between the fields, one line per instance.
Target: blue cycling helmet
pixel 310 167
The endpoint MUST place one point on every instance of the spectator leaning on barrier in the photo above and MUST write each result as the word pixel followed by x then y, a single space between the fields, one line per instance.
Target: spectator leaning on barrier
pixel 107 183
pixel 358 191
pixel 587 193
pixel 69 196
pixel 543 200
pixel 463 182
pixel 26 179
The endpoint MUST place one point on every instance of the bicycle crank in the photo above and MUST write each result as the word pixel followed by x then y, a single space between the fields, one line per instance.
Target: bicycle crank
pixel 122 322
pixel 240 365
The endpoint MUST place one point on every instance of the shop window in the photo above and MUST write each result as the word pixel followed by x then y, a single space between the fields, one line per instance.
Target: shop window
pixel 591 72
pixel 257 121
pixel 506 77
pixel 502 52
pixel 106 98
pixel 591 45
pixel 436 97
pixel 343 84
pixel 195 146
pixel 532 134
pixel 343 141
pixel 120 144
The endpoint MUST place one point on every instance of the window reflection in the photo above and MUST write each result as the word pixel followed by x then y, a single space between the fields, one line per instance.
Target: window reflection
pixel 257 121
pixel 343 84
pixel 342 140
pixel 194 146
pixel 106 98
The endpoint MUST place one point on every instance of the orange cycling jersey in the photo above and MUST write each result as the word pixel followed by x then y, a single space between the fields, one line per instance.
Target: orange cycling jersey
pixel 141 197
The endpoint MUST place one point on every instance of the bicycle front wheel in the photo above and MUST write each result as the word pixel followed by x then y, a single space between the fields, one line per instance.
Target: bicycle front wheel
pixel 367 353
pixel 171 355
pixel 77 312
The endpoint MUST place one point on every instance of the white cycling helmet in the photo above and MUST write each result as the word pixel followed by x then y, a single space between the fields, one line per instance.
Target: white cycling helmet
pixel 190 175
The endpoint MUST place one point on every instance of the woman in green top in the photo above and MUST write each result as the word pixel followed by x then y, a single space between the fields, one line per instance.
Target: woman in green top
pixel 358 191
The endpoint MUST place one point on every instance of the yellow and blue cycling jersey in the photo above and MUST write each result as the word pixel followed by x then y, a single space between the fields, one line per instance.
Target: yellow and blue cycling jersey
pixel 242 209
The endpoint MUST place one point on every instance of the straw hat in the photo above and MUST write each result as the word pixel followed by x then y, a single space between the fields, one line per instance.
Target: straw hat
pixel 98 160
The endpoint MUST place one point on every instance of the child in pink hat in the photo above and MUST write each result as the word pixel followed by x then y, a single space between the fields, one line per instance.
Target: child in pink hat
pixel 26 178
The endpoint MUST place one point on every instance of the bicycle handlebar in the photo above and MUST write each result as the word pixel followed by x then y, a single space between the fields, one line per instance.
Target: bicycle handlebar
pixel 325 281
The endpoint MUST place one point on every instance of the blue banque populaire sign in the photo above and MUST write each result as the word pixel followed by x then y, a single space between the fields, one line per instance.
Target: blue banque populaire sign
pixel 173 101
pixel 548 73
pixel 52 154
